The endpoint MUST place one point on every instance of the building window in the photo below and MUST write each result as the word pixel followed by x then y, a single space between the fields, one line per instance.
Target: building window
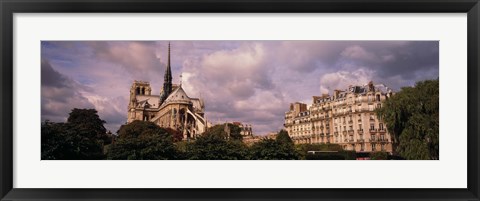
pixel 381 126
pixel 372 127
pixel 373 147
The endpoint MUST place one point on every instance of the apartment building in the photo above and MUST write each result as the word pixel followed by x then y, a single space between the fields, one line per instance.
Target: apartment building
pixel 347 117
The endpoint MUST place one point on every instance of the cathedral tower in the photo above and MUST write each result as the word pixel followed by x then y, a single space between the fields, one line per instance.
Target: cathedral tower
pixel 167 80
pixel 138 88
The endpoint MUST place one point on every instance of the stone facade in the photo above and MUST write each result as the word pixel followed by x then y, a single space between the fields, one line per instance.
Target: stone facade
pixel 347 117
pixel 172 108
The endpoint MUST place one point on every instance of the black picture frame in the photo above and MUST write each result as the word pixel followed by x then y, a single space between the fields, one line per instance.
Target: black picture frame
pixel 10 7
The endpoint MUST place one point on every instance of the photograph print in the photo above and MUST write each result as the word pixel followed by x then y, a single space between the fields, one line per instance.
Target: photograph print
pixel 240 100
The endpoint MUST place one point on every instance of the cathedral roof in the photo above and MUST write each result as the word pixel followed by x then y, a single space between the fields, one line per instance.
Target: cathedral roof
pixel 178 95
pixel 151 101
pixel 198 104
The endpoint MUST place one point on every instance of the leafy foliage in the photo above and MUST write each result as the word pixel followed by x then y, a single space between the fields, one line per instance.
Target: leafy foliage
pixel 212 146
pixel 219 130
pixel 82 137
pixel 380 155
pixel 142 140
pixel 89 123
pixel 283 137
pixel 177 135
pixel 282 148
pixel 269 149
pixel 412 117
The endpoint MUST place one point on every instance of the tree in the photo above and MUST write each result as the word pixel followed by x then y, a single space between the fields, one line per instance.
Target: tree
pixel 142 140
pixel 211 146
pixel 177 135
pixel 82 137
pixel 89 123
pixel 282 148
pixel 379 155
pixel 269 149
pixel 283 137
pixel 219 130
pixel 412 117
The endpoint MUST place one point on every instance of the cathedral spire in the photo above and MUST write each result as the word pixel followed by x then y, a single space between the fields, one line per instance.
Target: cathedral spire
pixel 167 79
pixel 180 80
pixel 168 71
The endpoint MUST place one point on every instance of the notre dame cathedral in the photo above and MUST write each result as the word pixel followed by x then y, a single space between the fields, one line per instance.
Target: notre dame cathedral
pixel 172 108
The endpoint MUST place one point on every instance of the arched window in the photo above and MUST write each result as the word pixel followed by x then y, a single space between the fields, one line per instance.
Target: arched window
pixel 143 91
pixel 137 91
pixel 378 97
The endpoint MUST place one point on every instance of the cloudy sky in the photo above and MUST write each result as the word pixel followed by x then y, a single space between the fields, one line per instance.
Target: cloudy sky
pixel 248 81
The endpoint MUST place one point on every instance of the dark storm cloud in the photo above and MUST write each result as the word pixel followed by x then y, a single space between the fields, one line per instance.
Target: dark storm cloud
pixel 414 57
pixel 50 77
pixel 404 59
pixel 59 94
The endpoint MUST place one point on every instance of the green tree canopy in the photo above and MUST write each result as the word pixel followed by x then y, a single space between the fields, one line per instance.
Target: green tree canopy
pixel 212 146
pixel 219 130
pixel 379 155
pixel 142 140
pixel 269 149
pixel 282 137
pixel 88 121
pixel 412 117
pixel 81 137
pixel 60 141
pixel 177 135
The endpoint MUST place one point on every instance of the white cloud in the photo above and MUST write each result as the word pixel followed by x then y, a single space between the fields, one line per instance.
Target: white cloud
pixel 342 79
